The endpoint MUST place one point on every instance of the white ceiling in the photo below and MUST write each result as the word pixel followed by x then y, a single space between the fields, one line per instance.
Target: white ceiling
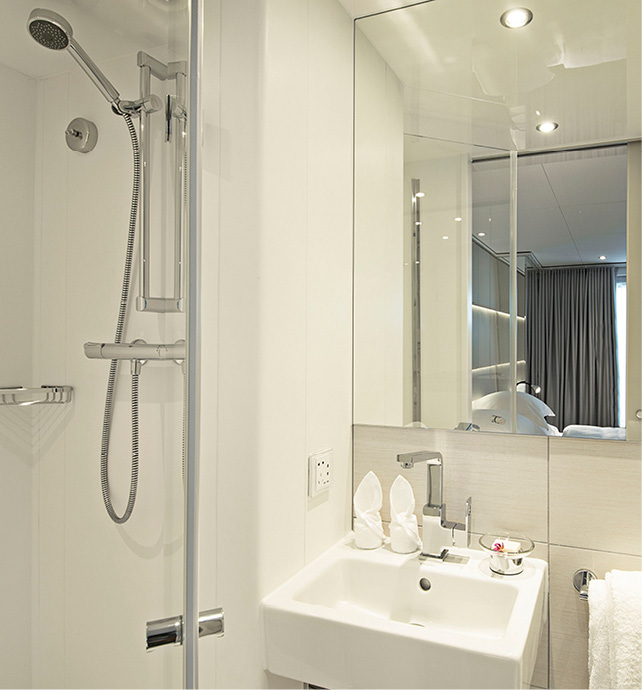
pixel 466 77
pixel 571 208
pixel 105 28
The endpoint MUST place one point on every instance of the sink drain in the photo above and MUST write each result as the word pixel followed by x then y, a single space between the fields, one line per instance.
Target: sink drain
pixel 424 583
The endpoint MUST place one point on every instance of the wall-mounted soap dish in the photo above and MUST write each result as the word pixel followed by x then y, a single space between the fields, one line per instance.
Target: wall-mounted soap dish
pixel 506 551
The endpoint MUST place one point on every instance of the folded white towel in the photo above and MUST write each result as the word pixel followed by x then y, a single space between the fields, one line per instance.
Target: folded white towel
pixel 404 536
pixel 625 642
pixel 368 528
pixel 599 655
pixel 615 631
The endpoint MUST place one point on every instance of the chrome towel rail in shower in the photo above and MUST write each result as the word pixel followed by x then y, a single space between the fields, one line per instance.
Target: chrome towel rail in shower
pixel 44 395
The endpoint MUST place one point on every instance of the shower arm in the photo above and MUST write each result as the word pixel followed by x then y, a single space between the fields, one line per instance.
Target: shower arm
pixel 91 69
pixel 150 104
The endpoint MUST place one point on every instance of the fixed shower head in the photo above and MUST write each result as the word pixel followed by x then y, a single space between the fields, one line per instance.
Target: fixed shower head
pixel 49 29
pixel 52 31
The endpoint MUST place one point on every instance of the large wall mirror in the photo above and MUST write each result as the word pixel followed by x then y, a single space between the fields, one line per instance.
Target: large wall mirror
pixel 497 218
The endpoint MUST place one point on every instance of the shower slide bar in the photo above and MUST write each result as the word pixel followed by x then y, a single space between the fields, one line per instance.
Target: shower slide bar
pixel 18 395
pixel 175 122
pixel 137 350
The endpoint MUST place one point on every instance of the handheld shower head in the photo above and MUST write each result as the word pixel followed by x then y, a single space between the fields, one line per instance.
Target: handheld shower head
pixel 49 29
pixel 52 31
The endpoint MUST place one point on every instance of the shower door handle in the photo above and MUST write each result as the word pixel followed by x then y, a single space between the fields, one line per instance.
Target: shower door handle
pixel 166 631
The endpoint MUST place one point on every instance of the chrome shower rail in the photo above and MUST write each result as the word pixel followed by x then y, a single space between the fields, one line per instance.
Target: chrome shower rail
pixel 35 396
pixel 136 350
pixel 175 122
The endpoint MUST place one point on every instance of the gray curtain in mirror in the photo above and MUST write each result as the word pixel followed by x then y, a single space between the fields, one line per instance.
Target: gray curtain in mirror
pixel 571 343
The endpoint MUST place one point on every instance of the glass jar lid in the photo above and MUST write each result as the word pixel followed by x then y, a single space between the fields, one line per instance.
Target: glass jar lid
pixel 503 543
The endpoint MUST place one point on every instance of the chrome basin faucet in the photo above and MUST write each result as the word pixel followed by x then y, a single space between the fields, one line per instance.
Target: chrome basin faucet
pixel 437 531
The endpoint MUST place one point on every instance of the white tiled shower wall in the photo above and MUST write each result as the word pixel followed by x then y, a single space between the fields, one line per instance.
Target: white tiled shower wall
pixel 579 500
pixel 16 285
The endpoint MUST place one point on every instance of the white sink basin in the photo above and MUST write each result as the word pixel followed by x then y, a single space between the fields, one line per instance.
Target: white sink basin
pixel 361 619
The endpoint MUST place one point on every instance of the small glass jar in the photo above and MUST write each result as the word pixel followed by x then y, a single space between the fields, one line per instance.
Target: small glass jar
pixel 506 551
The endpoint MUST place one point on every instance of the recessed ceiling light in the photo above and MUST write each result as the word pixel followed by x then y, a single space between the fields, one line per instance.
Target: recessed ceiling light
pixel 516 18
pixel 419 195
pixel 546 127
pixel 481 234
pixel 444 237
pixel 458 220
pixel 602 258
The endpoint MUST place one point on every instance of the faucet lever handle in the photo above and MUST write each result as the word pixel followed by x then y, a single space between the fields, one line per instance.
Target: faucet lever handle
pixel 468 519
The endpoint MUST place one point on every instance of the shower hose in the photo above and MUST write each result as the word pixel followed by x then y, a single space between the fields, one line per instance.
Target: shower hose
pixel 113 367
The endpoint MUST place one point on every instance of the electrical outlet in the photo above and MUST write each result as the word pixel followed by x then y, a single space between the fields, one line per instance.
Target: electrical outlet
pixel 319 472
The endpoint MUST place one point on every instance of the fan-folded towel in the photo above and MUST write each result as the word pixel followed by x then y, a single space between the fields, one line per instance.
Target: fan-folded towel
pixel 615 631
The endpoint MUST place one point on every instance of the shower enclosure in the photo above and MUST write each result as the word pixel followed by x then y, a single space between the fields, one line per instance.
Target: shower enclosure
pixel 89 187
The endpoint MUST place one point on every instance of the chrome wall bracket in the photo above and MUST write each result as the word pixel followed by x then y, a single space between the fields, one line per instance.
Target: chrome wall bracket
pixel 166 631
pixel 175 130
pixel 581 580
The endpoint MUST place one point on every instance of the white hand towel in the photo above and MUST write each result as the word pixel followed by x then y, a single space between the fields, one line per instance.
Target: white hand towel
pixel 599 655
pixel 625 613
pixel 404 536
pixel 368 530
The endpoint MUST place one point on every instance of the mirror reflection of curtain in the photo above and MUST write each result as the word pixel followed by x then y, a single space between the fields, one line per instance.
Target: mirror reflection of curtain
pixel 571 342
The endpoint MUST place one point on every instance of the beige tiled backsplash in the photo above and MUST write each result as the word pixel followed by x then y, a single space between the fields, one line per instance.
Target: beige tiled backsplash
pixel 578 499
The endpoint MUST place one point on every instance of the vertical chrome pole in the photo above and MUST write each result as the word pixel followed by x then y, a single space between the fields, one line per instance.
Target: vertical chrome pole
pixel 179 189
pixel 513 290
pixel 190 607
pixel 145 90
pixel 415 258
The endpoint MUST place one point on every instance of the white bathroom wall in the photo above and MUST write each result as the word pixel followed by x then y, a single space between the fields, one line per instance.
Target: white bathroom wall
pixel 276 306
pixel 379 243
pixel 97 583
pixel 16 275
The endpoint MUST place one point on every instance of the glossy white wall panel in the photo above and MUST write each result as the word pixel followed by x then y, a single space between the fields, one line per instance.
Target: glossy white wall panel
pixel 329 267
pixel 234 303
pixel 378 245
pixel 284 218
pixel 17 113
pixel 281 284
pixel 49 317
pixel 210 170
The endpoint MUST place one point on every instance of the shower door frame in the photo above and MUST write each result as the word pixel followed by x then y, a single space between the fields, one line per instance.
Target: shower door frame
pixel 190 581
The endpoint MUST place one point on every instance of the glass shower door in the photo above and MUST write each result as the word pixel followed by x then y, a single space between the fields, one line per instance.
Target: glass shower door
pixel 79 587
